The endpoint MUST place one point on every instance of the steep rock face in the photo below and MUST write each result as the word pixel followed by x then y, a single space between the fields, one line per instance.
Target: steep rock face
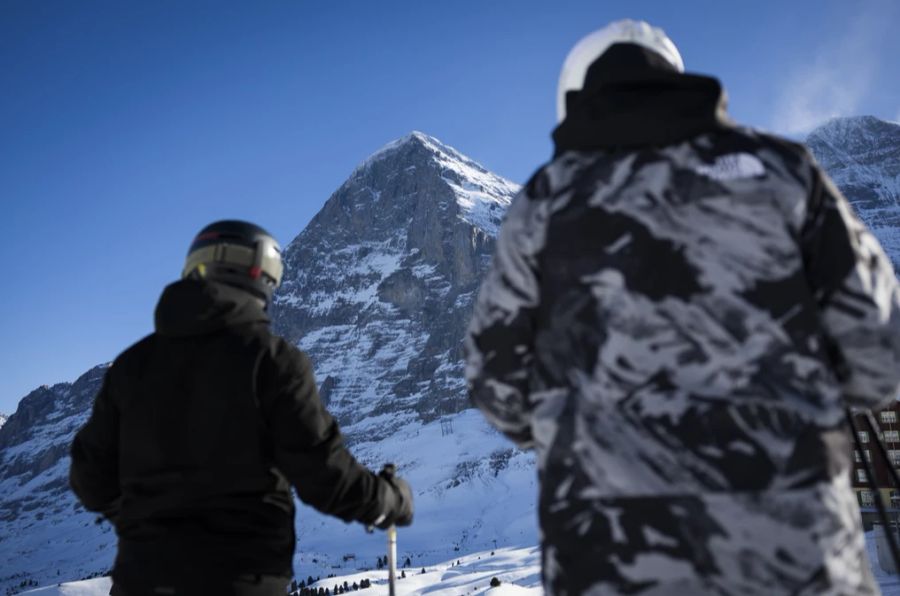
pixel 380 284
pixel 862 156
pixel 40 521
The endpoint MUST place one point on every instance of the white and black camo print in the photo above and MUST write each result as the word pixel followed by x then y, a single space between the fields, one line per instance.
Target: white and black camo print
pixel 676 331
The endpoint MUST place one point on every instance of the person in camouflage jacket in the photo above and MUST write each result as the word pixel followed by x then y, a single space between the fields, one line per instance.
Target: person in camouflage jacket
pixel 678 311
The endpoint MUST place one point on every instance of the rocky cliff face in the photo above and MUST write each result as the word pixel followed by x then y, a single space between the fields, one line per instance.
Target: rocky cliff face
pixel 380 283
pixel 862 156
pixel 37 438
pixel 43 530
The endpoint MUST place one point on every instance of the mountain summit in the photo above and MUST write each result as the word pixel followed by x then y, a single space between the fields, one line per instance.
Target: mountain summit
pixel 379 286
pixel 482 197
pixel 862 156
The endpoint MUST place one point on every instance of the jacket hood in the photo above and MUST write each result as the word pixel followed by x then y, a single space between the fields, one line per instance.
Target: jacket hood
pixel 632 97
pixel 196 307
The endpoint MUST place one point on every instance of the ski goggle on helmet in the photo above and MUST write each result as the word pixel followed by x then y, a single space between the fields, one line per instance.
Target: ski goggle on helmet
pixel 591 47
pixel 237 253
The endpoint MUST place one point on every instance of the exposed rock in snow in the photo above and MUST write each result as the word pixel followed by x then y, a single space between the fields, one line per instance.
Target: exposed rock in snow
pixel 380 284
pixel 862 156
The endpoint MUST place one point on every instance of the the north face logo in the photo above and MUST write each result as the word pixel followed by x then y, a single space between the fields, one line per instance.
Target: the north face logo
pixel 733 167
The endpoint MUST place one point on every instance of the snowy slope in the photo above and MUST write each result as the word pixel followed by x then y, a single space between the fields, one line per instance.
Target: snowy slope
pixel 473 491
pixel 518 570
pixel 3 418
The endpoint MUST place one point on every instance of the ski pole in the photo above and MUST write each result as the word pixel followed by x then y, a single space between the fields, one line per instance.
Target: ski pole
pixel 392 560
pixel 388 472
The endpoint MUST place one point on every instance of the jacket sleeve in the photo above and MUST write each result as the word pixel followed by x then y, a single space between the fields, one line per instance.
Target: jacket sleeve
pixel 308 446
pixel 94 472
pixel 499 344
pixel 857 294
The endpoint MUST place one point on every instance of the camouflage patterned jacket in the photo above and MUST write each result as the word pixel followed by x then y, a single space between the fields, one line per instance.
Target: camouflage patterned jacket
pixel 675 326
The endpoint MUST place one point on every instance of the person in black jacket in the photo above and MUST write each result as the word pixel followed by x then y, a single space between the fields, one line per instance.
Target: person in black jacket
pixel 201 428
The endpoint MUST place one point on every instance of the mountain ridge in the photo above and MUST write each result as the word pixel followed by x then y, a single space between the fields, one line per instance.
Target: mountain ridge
pixel 395 256
pixel 378 290
pixel 862 157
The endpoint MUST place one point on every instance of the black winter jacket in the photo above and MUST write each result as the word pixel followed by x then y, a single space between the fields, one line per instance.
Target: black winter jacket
pixel 197 435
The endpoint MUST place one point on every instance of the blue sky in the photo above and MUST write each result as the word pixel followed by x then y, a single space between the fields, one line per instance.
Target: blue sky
pixel 127 126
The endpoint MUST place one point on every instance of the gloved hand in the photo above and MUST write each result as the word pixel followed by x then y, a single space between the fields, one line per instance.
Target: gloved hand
pixel 397 500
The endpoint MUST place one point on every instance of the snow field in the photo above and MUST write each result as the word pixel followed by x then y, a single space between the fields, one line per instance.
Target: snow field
pixel 472 491
pixel 518 570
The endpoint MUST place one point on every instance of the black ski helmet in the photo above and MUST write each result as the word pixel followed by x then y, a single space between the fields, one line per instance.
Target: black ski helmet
pixel 237 253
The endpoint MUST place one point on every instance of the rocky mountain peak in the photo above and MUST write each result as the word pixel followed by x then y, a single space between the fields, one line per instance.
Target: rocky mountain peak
pixel 419 142
pixel 409 143
pixel 421 173
pixel 395 257
pixel 855 135
pixel 863 145
pixel 39 412
pixel 862 156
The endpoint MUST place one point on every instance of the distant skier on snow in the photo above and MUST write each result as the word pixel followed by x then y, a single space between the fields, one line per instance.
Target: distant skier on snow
pixel 677 313
pixel 201 428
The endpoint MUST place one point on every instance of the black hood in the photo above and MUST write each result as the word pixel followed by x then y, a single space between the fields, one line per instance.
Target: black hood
pixel 196 307
pixel 632 97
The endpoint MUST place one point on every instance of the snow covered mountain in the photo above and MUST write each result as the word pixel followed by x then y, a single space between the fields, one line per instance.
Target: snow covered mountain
pixel 43 532
pixel 379 286
pixel 862 156
pixel 378 291
pixel 3 418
